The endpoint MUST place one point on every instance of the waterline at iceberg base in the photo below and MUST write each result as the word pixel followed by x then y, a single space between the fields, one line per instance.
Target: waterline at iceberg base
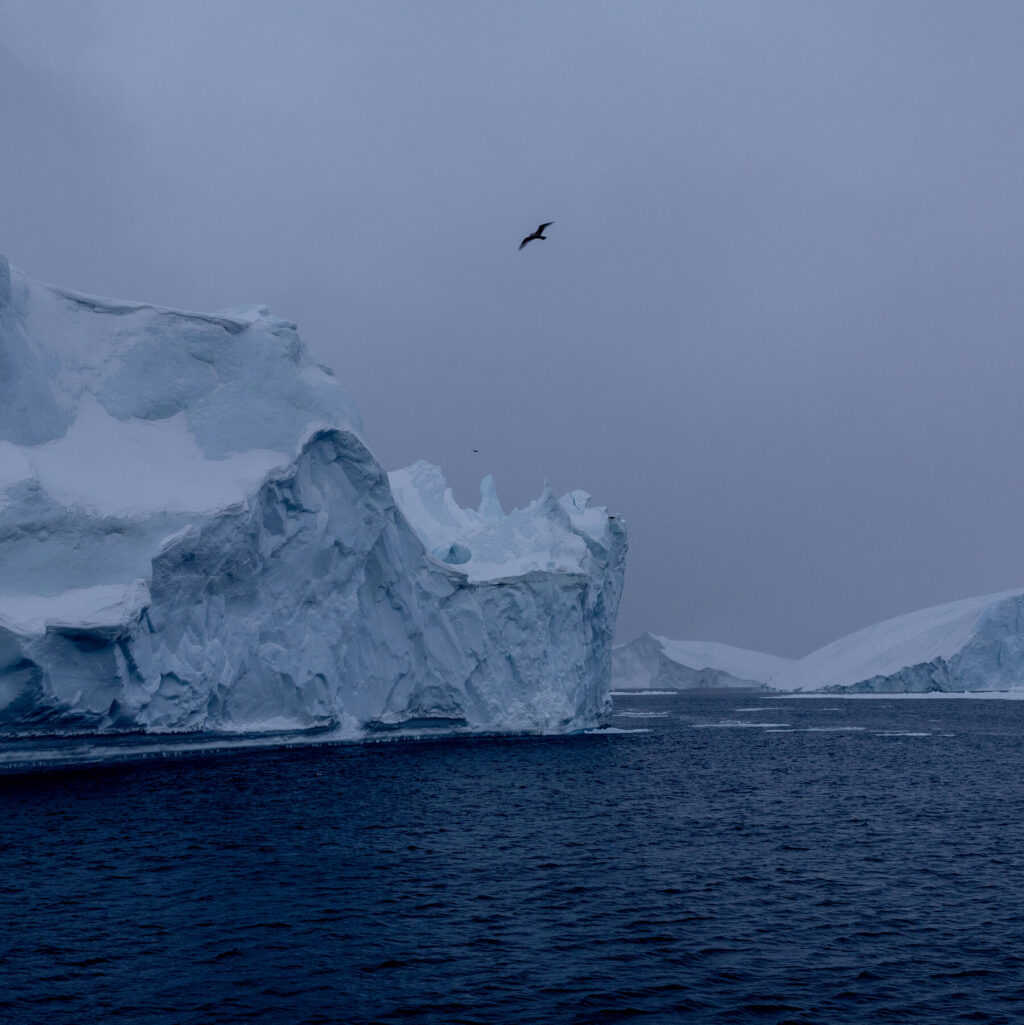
pixel 195 538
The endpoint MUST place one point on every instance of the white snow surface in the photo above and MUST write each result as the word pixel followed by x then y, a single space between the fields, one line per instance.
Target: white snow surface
pixel 194 535
pixel 549 535
pixel 81 608
pixel 972 645
pixel 654 662
pixel 159 466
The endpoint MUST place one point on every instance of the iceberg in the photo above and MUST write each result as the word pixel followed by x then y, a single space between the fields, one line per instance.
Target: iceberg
pixel 972 645
pixel 657 663
pixel 194 536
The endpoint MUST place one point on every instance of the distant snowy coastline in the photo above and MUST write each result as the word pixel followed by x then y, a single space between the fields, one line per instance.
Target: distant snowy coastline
pixel 195 537
pixel 970 646
pixel 973 647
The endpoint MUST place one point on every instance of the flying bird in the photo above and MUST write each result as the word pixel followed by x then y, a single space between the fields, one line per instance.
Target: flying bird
pixel 539 233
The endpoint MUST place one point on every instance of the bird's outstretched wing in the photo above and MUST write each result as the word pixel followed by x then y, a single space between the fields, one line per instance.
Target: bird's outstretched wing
pixel 536 234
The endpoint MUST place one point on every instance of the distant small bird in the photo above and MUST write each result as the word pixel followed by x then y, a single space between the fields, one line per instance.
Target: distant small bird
pixel 539 233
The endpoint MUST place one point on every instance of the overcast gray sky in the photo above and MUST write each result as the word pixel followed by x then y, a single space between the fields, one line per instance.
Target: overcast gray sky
pixel 777 324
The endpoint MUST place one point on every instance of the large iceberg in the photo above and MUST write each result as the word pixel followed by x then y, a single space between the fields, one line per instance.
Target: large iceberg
pixel 972 645
pixel 194 536
pixel 658 663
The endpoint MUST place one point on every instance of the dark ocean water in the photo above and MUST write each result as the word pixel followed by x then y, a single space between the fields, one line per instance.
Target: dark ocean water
pixel 862 863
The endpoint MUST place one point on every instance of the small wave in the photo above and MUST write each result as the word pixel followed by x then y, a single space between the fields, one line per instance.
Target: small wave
pixel 1017 694
pixel 641 693
pixel 738 724
pixel 833 729
pixel 902 733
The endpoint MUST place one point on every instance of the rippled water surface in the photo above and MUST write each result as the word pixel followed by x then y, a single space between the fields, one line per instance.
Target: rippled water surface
pixel 721 859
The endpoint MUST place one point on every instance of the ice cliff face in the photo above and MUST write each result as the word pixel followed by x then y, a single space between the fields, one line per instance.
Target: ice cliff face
pixel 971 645
pixel 657 663
pixel 194 535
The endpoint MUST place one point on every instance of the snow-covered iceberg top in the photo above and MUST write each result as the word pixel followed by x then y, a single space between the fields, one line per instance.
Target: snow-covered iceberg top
pixel 972 645
pixel 654 663
pixel 120 423
pixel 194 535
pixel 549 535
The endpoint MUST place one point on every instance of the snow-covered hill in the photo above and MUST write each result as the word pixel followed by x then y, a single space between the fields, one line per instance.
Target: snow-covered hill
pixel 656 663
pixel 194 535
pixel 972 645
